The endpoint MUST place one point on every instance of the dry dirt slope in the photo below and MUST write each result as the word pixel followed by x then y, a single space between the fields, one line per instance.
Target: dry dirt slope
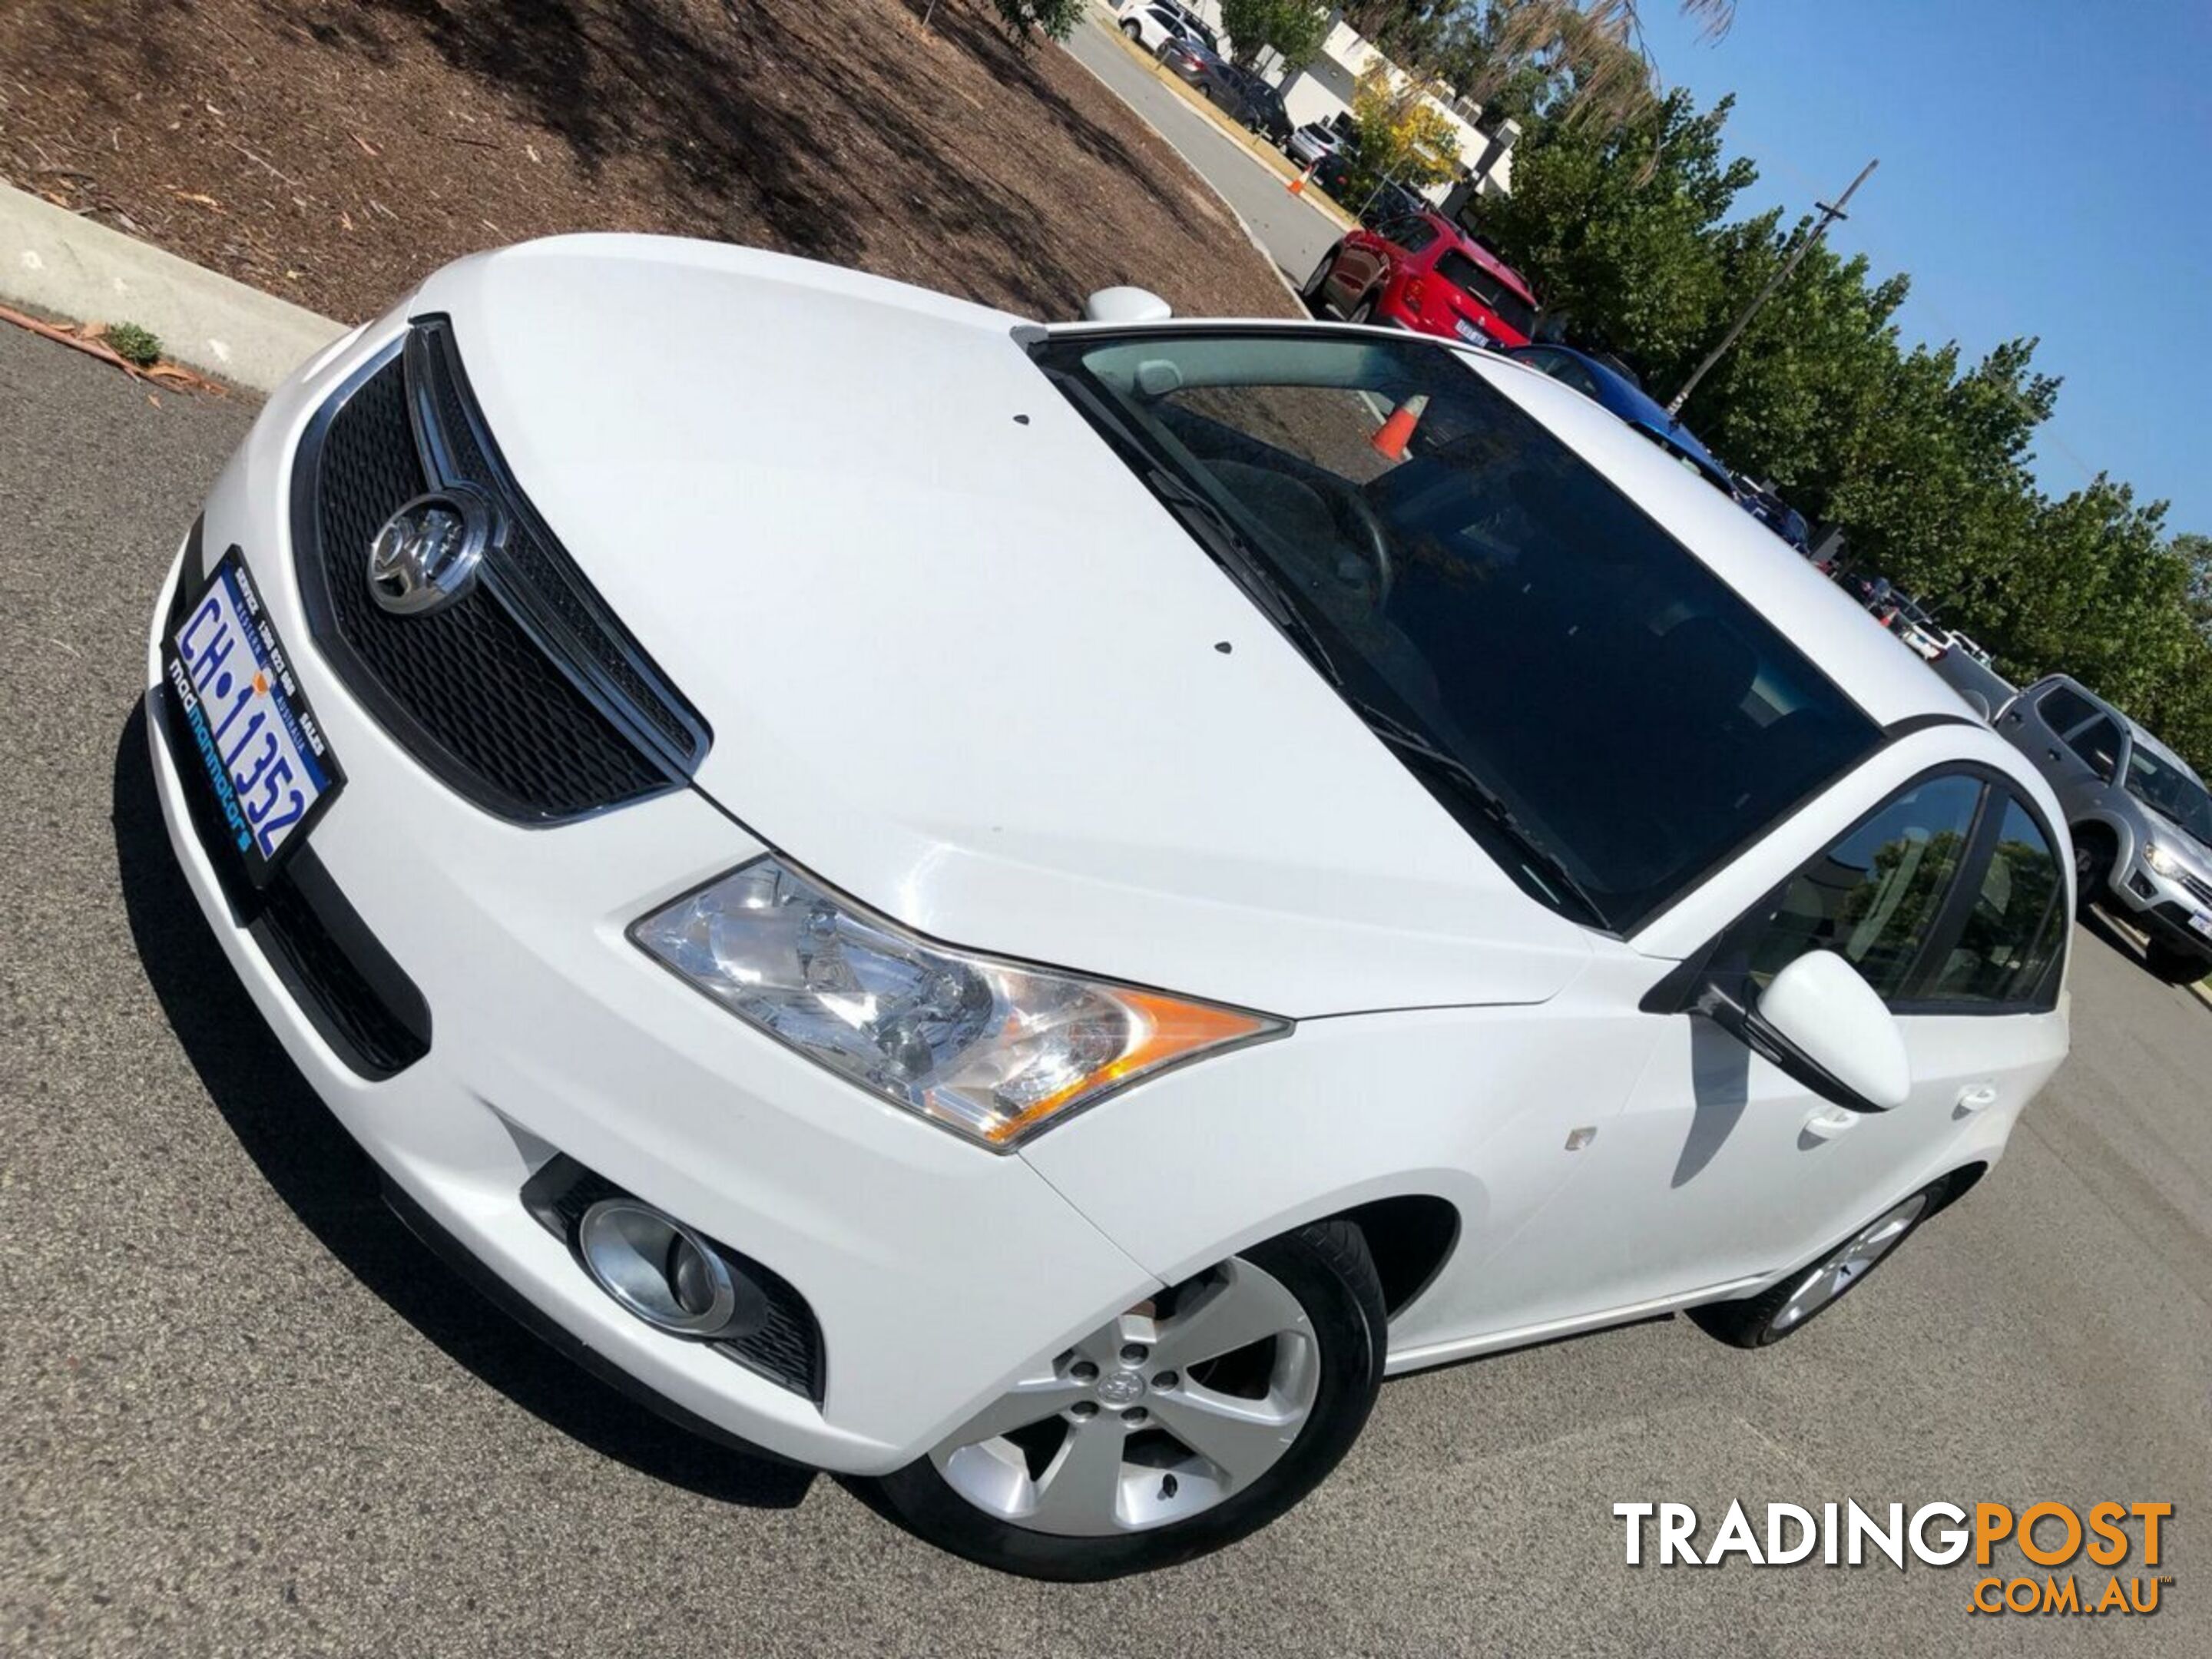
pixel 334 153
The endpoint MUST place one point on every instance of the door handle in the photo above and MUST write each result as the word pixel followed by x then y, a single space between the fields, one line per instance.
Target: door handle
pixel 1980 1095
pixel 1828 1124
pixel 2051 754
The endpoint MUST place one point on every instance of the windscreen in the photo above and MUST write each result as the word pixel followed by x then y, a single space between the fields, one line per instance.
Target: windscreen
pixel 2166 788
pixel 1465 577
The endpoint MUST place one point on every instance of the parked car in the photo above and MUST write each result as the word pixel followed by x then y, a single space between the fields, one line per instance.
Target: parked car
pixel 1392 200
pixel 1984 690
pixel 1763 503
pixel 1419 272
pixel 1031 956
pixel 1245 98
pixel 1153 23
pixel 1961 643
pixel 1314 141
pixel 1911 621
pixel 2139 818
pixel 1190 61
pixel 1614 392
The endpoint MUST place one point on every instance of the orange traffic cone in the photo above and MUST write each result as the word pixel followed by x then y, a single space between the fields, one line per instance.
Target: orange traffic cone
pixel 1297 185
pixel 1391 437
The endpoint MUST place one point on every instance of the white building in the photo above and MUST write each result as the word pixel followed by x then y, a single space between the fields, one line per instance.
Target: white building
pixel 1323 90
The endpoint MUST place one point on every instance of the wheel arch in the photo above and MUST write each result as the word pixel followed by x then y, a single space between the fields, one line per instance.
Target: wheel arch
pixel 1960 1181
pixel 1411 1236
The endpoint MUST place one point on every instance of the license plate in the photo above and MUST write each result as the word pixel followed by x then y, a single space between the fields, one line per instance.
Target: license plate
pixel 258 744
pixel 1469 332
pixel 2202 921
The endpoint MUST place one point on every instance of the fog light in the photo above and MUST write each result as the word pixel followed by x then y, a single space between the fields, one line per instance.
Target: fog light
pixel 663 1273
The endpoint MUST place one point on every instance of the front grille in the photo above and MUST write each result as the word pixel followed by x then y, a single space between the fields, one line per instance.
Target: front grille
pixel 787 1347
pixel 523 695
pixel 2198 888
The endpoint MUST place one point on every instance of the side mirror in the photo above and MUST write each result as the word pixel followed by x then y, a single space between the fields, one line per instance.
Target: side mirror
pixel 1126 305
pixel 1820 1023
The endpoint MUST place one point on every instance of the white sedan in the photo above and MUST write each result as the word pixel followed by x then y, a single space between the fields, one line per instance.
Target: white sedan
pixel 1028 912
pixel 1153 23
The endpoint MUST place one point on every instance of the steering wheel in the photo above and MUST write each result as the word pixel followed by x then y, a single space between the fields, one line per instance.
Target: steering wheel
pixel 1359 520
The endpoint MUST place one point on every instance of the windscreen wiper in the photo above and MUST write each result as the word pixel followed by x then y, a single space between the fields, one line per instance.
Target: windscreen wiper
pixel 1232 549
pixel 1546 866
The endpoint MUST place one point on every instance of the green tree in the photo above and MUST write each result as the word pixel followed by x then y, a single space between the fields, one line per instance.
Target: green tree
pixel 1401 136
pixel 1614 225
pixel 1057 18
pixel 1295 28
pixel 2195 552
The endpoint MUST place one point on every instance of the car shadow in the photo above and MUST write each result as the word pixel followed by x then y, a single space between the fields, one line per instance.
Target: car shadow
pixel 332 1185
pixel 1720 1083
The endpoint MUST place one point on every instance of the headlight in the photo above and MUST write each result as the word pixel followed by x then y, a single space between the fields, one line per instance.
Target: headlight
pixel 2160 860
pixel 996 1050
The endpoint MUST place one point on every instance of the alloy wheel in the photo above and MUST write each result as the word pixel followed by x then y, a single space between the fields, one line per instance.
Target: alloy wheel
pixel 1155 1417
pixel 1823 1283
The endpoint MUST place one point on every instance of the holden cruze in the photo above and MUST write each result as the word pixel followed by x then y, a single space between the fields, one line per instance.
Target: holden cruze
pixel 1028 912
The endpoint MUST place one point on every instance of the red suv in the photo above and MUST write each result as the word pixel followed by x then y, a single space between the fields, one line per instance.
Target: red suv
pixel 1419 270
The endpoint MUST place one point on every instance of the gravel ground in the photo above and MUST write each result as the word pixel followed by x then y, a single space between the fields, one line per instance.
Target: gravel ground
pixel 247 1414
pixel 338 152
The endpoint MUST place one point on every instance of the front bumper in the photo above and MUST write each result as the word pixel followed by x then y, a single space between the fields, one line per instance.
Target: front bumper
pixel 937 1271
pixel 2164 906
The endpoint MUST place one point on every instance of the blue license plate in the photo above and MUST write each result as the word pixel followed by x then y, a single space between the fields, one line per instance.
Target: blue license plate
pixel 249 734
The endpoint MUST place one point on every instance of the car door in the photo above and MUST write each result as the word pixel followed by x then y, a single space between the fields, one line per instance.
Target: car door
pixel 2073 741
pixel 1721 1170
pixel 1358 259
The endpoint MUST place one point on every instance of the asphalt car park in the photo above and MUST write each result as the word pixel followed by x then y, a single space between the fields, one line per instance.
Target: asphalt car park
pixel 247 1412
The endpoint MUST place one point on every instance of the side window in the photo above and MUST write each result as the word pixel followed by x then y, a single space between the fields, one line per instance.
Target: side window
pixel 2017 926
pixel 2098 744
pixel 1876 895
pixel 2062 708
pixel 1576 376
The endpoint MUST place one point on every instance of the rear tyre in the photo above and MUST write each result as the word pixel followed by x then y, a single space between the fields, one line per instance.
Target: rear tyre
pixel 1133 32
pixel 2175 967
pixel 1362 312
pixel 1787 1308
pixel 1190 1421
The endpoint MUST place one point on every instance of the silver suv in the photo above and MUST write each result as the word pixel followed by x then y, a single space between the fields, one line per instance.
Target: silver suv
pixel 2141 819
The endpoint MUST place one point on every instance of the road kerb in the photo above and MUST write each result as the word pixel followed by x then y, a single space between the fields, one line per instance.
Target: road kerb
pixel 1228 207
pixel 1265 153
pixel 63 264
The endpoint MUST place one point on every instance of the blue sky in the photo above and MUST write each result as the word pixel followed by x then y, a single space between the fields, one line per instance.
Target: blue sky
pixel 2046 169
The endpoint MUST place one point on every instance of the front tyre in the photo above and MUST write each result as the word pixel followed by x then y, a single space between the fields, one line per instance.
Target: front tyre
pixel 2174 966
pixel 1192 1420
pixel 1311 292
pixel 1787 1308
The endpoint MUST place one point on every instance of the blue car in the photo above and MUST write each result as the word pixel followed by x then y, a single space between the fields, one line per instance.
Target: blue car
pixel 1609 384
